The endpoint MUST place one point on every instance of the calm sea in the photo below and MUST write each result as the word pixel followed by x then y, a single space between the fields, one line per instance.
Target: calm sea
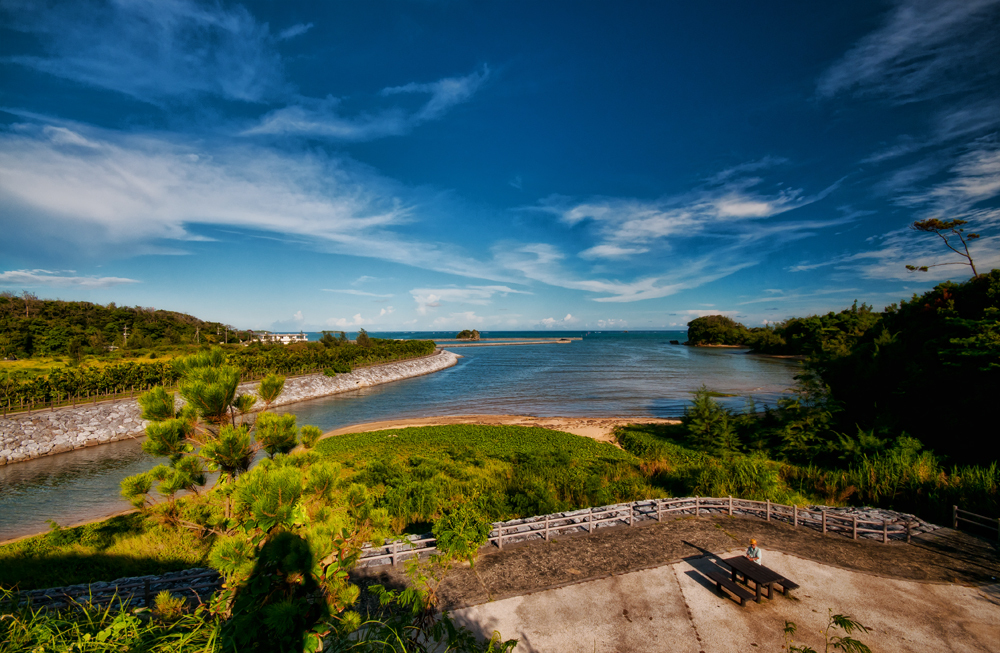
pixel 612 374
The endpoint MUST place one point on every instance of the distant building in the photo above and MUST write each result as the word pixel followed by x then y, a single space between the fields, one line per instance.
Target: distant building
pixel 283 338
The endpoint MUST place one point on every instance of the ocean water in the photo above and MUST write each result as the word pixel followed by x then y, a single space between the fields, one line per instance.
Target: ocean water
pixel 611 374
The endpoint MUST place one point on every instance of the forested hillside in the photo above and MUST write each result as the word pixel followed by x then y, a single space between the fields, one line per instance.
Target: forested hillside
pixel 47 327
pixel 927 368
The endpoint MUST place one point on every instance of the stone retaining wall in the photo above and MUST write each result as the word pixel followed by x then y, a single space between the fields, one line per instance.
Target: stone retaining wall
pixel 27 436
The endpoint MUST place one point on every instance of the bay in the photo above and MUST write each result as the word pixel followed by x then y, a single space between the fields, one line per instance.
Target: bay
pixel 607 374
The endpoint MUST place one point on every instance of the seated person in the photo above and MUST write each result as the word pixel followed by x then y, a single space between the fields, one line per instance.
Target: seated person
pixel 753 552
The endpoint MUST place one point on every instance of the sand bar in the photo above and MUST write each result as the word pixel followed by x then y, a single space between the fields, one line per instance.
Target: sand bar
pixel 598 428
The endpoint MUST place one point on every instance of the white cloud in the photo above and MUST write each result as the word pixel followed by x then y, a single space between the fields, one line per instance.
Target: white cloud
pixel 343 322
pixel 433 297
pixel 551 322
pixel 611 251
pixel 612 323
pixel 320 117
pixel 298 316
pixel 924 46
pixel 108 193
pixel 359 293
pixel 975 178
pixel 388 310
pixel 459 320
pixel 21 278
pixel 155 51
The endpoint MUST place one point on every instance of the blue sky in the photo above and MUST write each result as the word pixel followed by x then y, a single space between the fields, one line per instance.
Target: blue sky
pixel 493 165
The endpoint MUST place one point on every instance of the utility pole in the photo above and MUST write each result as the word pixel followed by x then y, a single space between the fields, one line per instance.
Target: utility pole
pixel 125 332
pixel 197 335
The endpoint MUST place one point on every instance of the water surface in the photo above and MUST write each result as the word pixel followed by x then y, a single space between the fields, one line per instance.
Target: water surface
pixel 605 374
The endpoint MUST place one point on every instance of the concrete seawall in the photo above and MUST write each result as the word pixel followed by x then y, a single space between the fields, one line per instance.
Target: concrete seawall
pixel 26 437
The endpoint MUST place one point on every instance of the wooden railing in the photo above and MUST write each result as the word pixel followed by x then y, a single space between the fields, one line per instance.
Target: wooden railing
pixel 589 520
pixel 988 523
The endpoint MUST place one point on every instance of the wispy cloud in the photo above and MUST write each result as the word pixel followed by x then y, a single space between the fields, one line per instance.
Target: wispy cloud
pixel 970 119
pixel 360 293
pixel 57 279
pixel 632 226
pixel 790 297
pixel 155 51
pixel 917 50
pixel 427 298
pixel 321 118
pixel 293 31
pixel 90 190
pixel 694 238
pixel 975 178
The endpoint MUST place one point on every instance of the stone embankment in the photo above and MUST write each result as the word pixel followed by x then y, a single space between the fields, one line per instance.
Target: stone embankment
pixel 27 436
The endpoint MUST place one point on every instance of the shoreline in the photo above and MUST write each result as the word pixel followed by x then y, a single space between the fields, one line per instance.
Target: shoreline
pixel 27 437
pixel 596 428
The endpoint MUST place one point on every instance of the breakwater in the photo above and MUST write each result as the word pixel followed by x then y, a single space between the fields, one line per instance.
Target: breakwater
pixel 25 437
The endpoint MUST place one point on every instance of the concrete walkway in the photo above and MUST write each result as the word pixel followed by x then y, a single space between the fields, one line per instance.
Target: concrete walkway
pixel 676 608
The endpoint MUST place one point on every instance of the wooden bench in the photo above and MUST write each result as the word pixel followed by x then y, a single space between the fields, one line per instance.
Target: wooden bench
pixel 786 585
pixel 723 580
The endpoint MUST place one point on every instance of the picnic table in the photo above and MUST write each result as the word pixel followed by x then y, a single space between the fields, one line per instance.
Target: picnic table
pixel 759 574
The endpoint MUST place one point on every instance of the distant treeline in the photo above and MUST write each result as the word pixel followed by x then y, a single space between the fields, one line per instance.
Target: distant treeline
pixel 928 367
pixel 30 326
pixel 253 362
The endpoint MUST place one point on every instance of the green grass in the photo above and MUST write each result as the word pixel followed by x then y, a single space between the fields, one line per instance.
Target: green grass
pixel 127 545
pixel 511 471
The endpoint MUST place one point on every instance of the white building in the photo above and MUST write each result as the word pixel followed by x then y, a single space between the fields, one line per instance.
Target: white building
pixel 283 338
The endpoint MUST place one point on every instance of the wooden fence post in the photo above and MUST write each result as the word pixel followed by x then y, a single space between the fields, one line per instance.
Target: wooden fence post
pixel 730 505
pixel 885 531
pixel 659 510
pixel 854 524
pixel 824 522
pixel 631 512
pixel 795 515
pixel 954 514
pixel 392 558
pixel 546 528
pixel 908 531
pixel 768 510
pixel 697 504
pixel 500 535
pixel 590 515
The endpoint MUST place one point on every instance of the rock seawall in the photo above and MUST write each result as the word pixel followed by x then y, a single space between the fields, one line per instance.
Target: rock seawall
pixel 26 437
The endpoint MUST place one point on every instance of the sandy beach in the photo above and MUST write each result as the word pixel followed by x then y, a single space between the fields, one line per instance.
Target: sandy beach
pixel 598 428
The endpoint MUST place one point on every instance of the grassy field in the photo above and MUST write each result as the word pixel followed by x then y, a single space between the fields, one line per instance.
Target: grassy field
pixel 417 474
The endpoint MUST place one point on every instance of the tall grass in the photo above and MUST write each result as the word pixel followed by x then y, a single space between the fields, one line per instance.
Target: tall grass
pixel 900 478
pixel 94 629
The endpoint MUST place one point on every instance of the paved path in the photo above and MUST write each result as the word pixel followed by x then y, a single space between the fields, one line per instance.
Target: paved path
pixel 675 608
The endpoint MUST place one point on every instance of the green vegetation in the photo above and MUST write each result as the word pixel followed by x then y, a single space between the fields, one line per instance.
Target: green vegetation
pixel 831 640
pixel 252 362
pixel 794 455
pixel 416 474
pixel 716 330
pixel 127 545
pixel 926 368
pixel 466 334
pixel 31 327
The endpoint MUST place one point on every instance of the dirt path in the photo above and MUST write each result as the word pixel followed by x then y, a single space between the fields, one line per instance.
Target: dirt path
pixel 945 556
pixel 597 428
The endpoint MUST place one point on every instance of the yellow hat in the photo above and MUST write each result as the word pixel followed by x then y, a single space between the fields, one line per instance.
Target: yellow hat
pixel 753 541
